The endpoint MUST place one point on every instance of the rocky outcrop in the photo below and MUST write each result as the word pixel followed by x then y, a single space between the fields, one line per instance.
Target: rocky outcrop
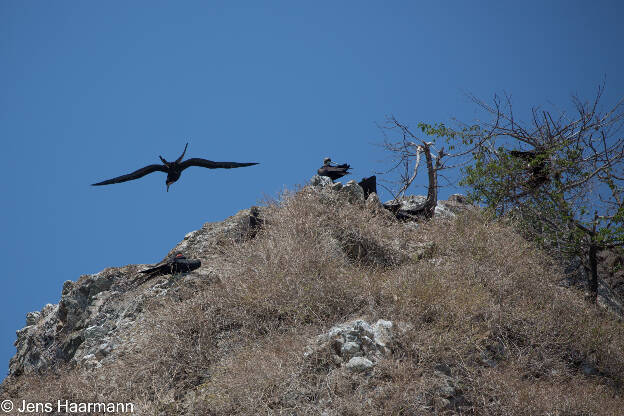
pixel 355 345
pixel 351 189
pixel 216 335
pixel 97 314
pixel 95 318
pixel 411 207
pixel 406 208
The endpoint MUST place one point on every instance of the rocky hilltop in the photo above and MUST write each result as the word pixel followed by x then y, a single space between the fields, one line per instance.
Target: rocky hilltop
pixel 92 321
pixel 324 303
pixel 97 315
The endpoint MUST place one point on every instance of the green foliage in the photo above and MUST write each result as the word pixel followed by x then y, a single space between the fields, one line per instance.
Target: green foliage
pixel 552 210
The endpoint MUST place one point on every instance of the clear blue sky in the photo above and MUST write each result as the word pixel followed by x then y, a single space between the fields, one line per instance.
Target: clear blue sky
pixel 93 90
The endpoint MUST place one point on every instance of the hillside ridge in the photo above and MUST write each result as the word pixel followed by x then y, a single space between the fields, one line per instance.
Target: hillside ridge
pixel 324 285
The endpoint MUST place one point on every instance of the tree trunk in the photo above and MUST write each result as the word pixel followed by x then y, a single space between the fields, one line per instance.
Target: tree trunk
pixel 593 270
pixel 432 192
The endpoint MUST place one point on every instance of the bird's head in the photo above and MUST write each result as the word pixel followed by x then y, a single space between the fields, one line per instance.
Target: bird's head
pixel 327 161
pixel 169 183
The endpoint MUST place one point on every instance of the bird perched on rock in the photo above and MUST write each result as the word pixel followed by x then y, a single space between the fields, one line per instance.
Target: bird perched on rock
pixel 369 185
pixel 177 263
pixel 333 171
pixel 174 169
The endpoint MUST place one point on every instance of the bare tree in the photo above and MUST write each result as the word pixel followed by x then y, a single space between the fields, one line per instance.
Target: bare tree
pixel 408 149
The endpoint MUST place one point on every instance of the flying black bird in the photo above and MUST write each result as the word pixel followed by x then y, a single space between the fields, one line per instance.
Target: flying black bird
pixel 174 169
pixel 333 171
pixel 177 263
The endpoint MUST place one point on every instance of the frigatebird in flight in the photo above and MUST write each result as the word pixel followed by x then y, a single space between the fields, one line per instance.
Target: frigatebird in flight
pixel 173 169
pixel 333 171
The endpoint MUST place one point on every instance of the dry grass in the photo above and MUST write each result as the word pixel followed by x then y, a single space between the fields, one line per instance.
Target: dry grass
pixel 484 304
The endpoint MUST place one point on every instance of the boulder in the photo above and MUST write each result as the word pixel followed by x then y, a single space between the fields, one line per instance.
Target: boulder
pixel 411 207
pixel 354 192
pixel 318 180
pixel 359 364
pixel 355 345
pixel 32 318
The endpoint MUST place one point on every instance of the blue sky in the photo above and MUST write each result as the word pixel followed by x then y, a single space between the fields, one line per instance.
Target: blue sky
pixel 93 90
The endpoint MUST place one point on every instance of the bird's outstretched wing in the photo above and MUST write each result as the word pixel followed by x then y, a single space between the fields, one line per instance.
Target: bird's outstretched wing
pixel 161 268
pixel 340 169
pixel 134 175
pixel 196 161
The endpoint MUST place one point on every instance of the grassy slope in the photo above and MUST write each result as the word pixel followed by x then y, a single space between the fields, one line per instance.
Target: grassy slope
pixel 483 302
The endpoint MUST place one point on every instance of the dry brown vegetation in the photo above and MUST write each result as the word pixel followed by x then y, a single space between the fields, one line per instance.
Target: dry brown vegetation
pixel 483 307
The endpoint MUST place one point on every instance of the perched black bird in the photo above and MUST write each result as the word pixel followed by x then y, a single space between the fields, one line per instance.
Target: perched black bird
pixel 177 263
pixel 536 164
pixel 174 169
pixel 369 185
pixel 524 154
pixel 333 171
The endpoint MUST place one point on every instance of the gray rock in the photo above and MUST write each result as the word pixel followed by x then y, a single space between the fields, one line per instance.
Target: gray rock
pixel 383 325
pixel 367 342
pixel 95 333
pixel 103 350
pixel 361 328
pixel 413 202
pixel 354 192
pixel 98 283
pixel 442 211
pixel 189 235
pixel 336 186
pixel 68 285
pixel 88 357
pixel 23 333
pixel 457 203
pixel 351 189
pixel 410 206
pixel 373 202
pixel 203 242
pixel 320 180
pixel 350 349
pixel 447 391
pixel 71 344
pixel 47 309
pixel 353 339
pixel 359 364
pixel 458 199
pixel 32 318
pixel 382 332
